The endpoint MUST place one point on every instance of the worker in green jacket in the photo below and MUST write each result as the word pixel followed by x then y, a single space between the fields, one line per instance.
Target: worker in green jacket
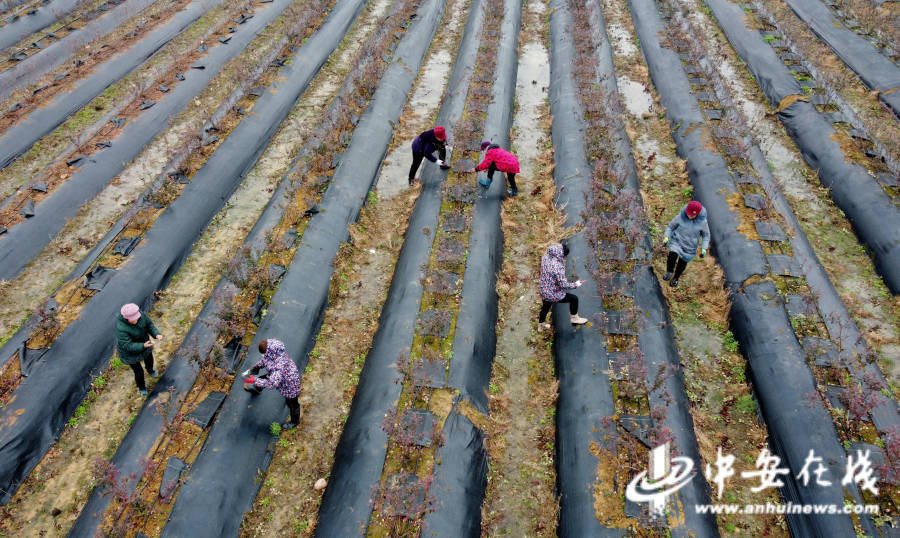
pixel 134 340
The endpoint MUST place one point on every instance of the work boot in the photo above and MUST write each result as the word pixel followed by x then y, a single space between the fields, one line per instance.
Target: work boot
pixel 512 192
pixel 668 275
pixel 673 283
pixel 577 320
pixel 143 392
pixel 287 426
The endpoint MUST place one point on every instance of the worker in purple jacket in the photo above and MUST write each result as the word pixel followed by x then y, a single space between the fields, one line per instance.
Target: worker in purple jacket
pixel 424 146
pixel 282 376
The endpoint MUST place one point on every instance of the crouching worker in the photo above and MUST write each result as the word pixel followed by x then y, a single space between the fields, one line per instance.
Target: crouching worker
pixel 553 285
pixel 424 146
pixel 282 376
pixel 134 340
pixel 495 159
pixel 688 229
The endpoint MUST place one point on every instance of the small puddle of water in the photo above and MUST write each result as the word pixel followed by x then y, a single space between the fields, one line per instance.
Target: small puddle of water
pixel 531 92
pixel 637 100
pixel 621 40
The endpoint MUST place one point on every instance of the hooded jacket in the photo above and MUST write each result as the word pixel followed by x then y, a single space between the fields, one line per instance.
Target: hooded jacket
pixel 685 234
pixel 504 160
pixel 283 374
pixel 427 143
pixel 130 338
pixel 553 283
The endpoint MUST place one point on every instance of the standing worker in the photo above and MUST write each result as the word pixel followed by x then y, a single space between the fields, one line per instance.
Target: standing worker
pixel 498 159
pixel 688 229
pixel 553 285
pixel 424 146
pixel 134 340
pixel 282 376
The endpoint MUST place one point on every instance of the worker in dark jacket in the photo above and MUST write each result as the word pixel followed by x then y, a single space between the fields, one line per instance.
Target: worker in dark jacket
pixel 683 235
pixel 496 158
pixel 424 146
pixel 134 340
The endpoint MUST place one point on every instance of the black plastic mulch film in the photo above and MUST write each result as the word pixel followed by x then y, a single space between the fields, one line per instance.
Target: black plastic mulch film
pixel 583 362
pixel 29 23
pixel 25 240
pixel 360 454
pixel 43 402
pixel 778 369
pixel 180 375
pixel 241 440
pixel 48 58
pixel 20 137
pixel 875 219
pixel 876 70
pixel 460 477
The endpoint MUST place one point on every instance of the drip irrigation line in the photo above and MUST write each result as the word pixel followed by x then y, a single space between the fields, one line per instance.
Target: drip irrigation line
pixel 43 401
pixel 359 458
pixel 241 440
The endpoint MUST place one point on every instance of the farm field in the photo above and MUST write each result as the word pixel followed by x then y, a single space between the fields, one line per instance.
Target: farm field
pixel 240 170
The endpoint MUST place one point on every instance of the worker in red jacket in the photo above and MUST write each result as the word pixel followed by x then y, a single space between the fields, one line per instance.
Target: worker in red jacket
pixel 495 159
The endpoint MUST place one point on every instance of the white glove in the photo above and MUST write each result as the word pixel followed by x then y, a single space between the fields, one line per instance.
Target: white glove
pixel 441 163
pixel 578 283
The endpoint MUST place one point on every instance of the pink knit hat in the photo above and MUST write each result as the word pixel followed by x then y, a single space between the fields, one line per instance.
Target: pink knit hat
pixel 130 312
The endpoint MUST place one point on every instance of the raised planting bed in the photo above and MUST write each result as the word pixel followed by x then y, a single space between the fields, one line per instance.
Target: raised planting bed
pixel 767 320
pixel 33 120
pixel 242 438
pixel 73 185
pixel 31 19
pixel 84 347
pixel 833 346
pixel 868 205
pixel 356 481
pixel 29 69
pixel 271 240
pixel 624 396
pixel 877 71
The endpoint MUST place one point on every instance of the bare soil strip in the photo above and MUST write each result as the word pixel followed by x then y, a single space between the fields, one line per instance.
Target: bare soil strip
pixel 520 498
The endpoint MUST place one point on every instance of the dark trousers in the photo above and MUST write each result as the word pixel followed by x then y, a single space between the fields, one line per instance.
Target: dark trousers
pixel 417 160
pixel 675 262
pixel 569 298
pixel 294 406
pixel 510 177
pixel 139 372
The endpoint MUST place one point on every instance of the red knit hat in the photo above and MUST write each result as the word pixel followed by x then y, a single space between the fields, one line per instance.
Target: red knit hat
pixel 439 133
pixel 693 208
